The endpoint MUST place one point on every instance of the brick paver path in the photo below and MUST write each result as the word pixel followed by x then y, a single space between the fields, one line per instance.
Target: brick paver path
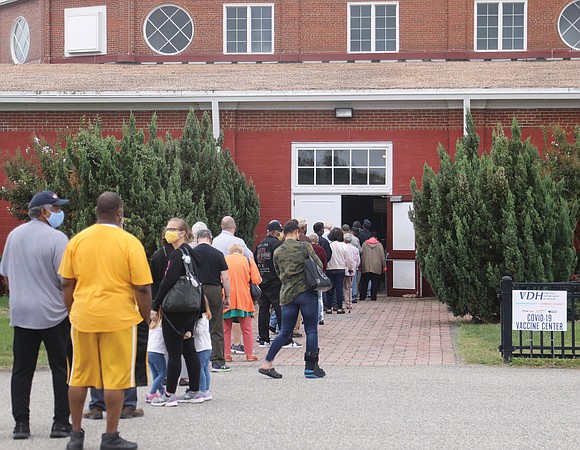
pixel 392 331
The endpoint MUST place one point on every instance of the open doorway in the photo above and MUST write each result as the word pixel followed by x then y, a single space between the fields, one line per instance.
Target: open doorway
pixel 360 207
pixel 374 208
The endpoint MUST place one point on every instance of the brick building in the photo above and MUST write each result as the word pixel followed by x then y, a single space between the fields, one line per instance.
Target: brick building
pixel 366 92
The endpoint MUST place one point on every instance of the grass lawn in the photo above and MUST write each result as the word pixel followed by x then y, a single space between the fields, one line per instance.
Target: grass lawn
pixel 477 344
pixel 6 333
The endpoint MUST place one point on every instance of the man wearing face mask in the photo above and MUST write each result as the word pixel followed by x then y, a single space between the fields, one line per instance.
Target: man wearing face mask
pixel 271 284
pixel 38 314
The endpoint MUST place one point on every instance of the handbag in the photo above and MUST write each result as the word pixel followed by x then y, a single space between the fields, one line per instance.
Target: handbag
pixel 316 279
pixel 185 295
pixel 255 290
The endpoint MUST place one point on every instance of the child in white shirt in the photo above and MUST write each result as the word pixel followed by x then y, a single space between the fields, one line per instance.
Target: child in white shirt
pixel 156 355
pixel 202 341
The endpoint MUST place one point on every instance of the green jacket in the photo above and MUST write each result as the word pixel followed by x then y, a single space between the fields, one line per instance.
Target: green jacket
pixel 289 265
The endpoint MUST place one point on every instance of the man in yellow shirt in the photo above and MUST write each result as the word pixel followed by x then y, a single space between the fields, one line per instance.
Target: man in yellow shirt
pixel 106 284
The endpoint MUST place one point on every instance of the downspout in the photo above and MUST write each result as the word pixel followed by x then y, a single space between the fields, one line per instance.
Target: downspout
pixel 215 119
pixel 466 108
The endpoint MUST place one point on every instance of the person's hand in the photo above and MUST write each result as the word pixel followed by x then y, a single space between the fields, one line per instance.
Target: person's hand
pixel 227 301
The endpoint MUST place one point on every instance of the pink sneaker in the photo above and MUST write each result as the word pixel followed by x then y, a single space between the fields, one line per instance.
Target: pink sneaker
pixel 149 397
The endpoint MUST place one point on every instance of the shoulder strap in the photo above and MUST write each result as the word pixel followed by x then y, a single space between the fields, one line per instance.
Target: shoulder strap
pixel 188 268
pixel 172 326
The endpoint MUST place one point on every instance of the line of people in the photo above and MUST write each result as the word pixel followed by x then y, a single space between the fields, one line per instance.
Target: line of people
pixel 96 300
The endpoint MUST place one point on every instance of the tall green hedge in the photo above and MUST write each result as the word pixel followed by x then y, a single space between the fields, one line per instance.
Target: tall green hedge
pixel 158 178
pixel 482 217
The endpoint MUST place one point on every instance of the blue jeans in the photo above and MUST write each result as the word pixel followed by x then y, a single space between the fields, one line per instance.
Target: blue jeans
pixel 355 284
pixel 204 356
pixel 337 278
pixel 307 303
pixel 158 369
pixel 274 321
pixel 98 399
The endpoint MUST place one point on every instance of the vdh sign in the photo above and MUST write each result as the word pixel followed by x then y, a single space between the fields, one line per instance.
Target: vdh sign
pixel 539 310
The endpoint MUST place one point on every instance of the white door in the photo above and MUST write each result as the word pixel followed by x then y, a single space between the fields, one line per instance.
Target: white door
pixel 402 270
pixel 317 208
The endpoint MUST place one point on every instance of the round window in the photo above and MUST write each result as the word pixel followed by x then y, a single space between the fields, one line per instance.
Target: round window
pixel 569 25
pixel 168 30
pixel 20 42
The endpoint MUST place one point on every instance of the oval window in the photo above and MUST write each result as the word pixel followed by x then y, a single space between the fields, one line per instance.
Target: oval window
pixel 168 30
pixel 569 25
pixel 20 43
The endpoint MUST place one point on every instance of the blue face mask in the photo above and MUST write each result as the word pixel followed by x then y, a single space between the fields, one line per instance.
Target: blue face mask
pixel 55 219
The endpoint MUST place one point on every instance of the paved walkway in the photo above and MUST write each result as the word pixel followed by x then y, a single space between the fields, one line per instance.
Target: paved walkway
pixel 389 332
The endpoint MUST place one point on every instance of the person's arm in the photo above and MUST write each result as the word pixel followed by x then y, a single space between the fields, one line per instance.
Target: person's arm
pixel 254 273
pixel 174 270
pixel 245 250
pixel 143 297
pixel 68 289
pixel 384 259
pixel 226 284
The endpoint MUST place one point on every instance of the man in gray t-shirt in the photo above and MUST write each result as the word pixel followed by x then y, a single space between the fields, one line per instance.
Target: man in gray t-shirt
pixel 29 264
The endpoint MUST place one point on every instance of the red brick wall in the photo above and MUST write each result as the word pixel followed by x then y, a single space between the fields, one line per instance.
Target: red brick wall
pixel 32 11
pixel 306 30
pixel 260 141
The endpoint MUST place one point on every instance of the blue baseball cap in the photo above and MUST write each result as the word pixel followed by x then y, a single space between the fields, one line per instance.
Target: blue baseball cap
pixel 275 225
pixel 46 198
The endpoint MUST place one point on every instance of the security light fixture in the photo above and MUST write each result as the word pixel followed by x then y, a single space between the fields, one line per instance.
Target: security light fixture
pixel 343 113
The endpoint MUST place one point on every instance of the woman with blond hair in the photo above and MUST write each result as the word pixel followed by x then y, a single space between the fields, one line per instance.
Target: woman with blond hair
pixel 241 271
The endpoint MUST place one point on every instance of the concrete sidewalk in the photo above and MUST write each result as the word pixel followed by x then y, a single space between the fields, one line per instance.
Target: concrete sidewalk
pixel 393 382
pixel 414 407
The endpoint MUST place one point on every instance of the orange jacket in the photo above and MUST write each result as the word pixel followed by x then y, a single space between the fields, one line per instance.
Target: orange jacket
pixel 240 271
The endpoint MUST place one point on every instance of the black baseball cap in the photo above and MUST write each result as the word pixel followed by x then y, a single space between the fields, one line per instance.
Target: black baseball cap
pixel 46 198
pixel 275 225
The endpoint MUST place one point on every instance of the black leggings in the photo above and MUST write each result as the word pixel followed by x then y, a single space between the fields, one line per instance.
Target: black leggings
pixel 177 346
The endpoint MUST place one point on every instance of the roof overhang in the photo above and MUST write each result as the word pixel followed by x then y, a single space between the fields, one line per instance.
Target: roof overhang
pixel 312 99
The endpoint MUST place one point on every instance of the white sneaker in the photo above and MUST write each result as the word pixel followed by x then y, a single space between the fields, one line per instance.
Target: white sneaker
pixel 207 395
pixel 191 397
pixel 165 400
pixel 293 345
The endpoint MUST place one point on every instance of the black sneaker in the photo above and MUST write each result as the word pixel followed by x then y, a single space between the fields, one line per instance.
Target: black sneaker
pixel 21 431
pixel 60 430
pixel 77 440
pixel 114 441
pixel 238 349
pixel 265 344
pixel 216 367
